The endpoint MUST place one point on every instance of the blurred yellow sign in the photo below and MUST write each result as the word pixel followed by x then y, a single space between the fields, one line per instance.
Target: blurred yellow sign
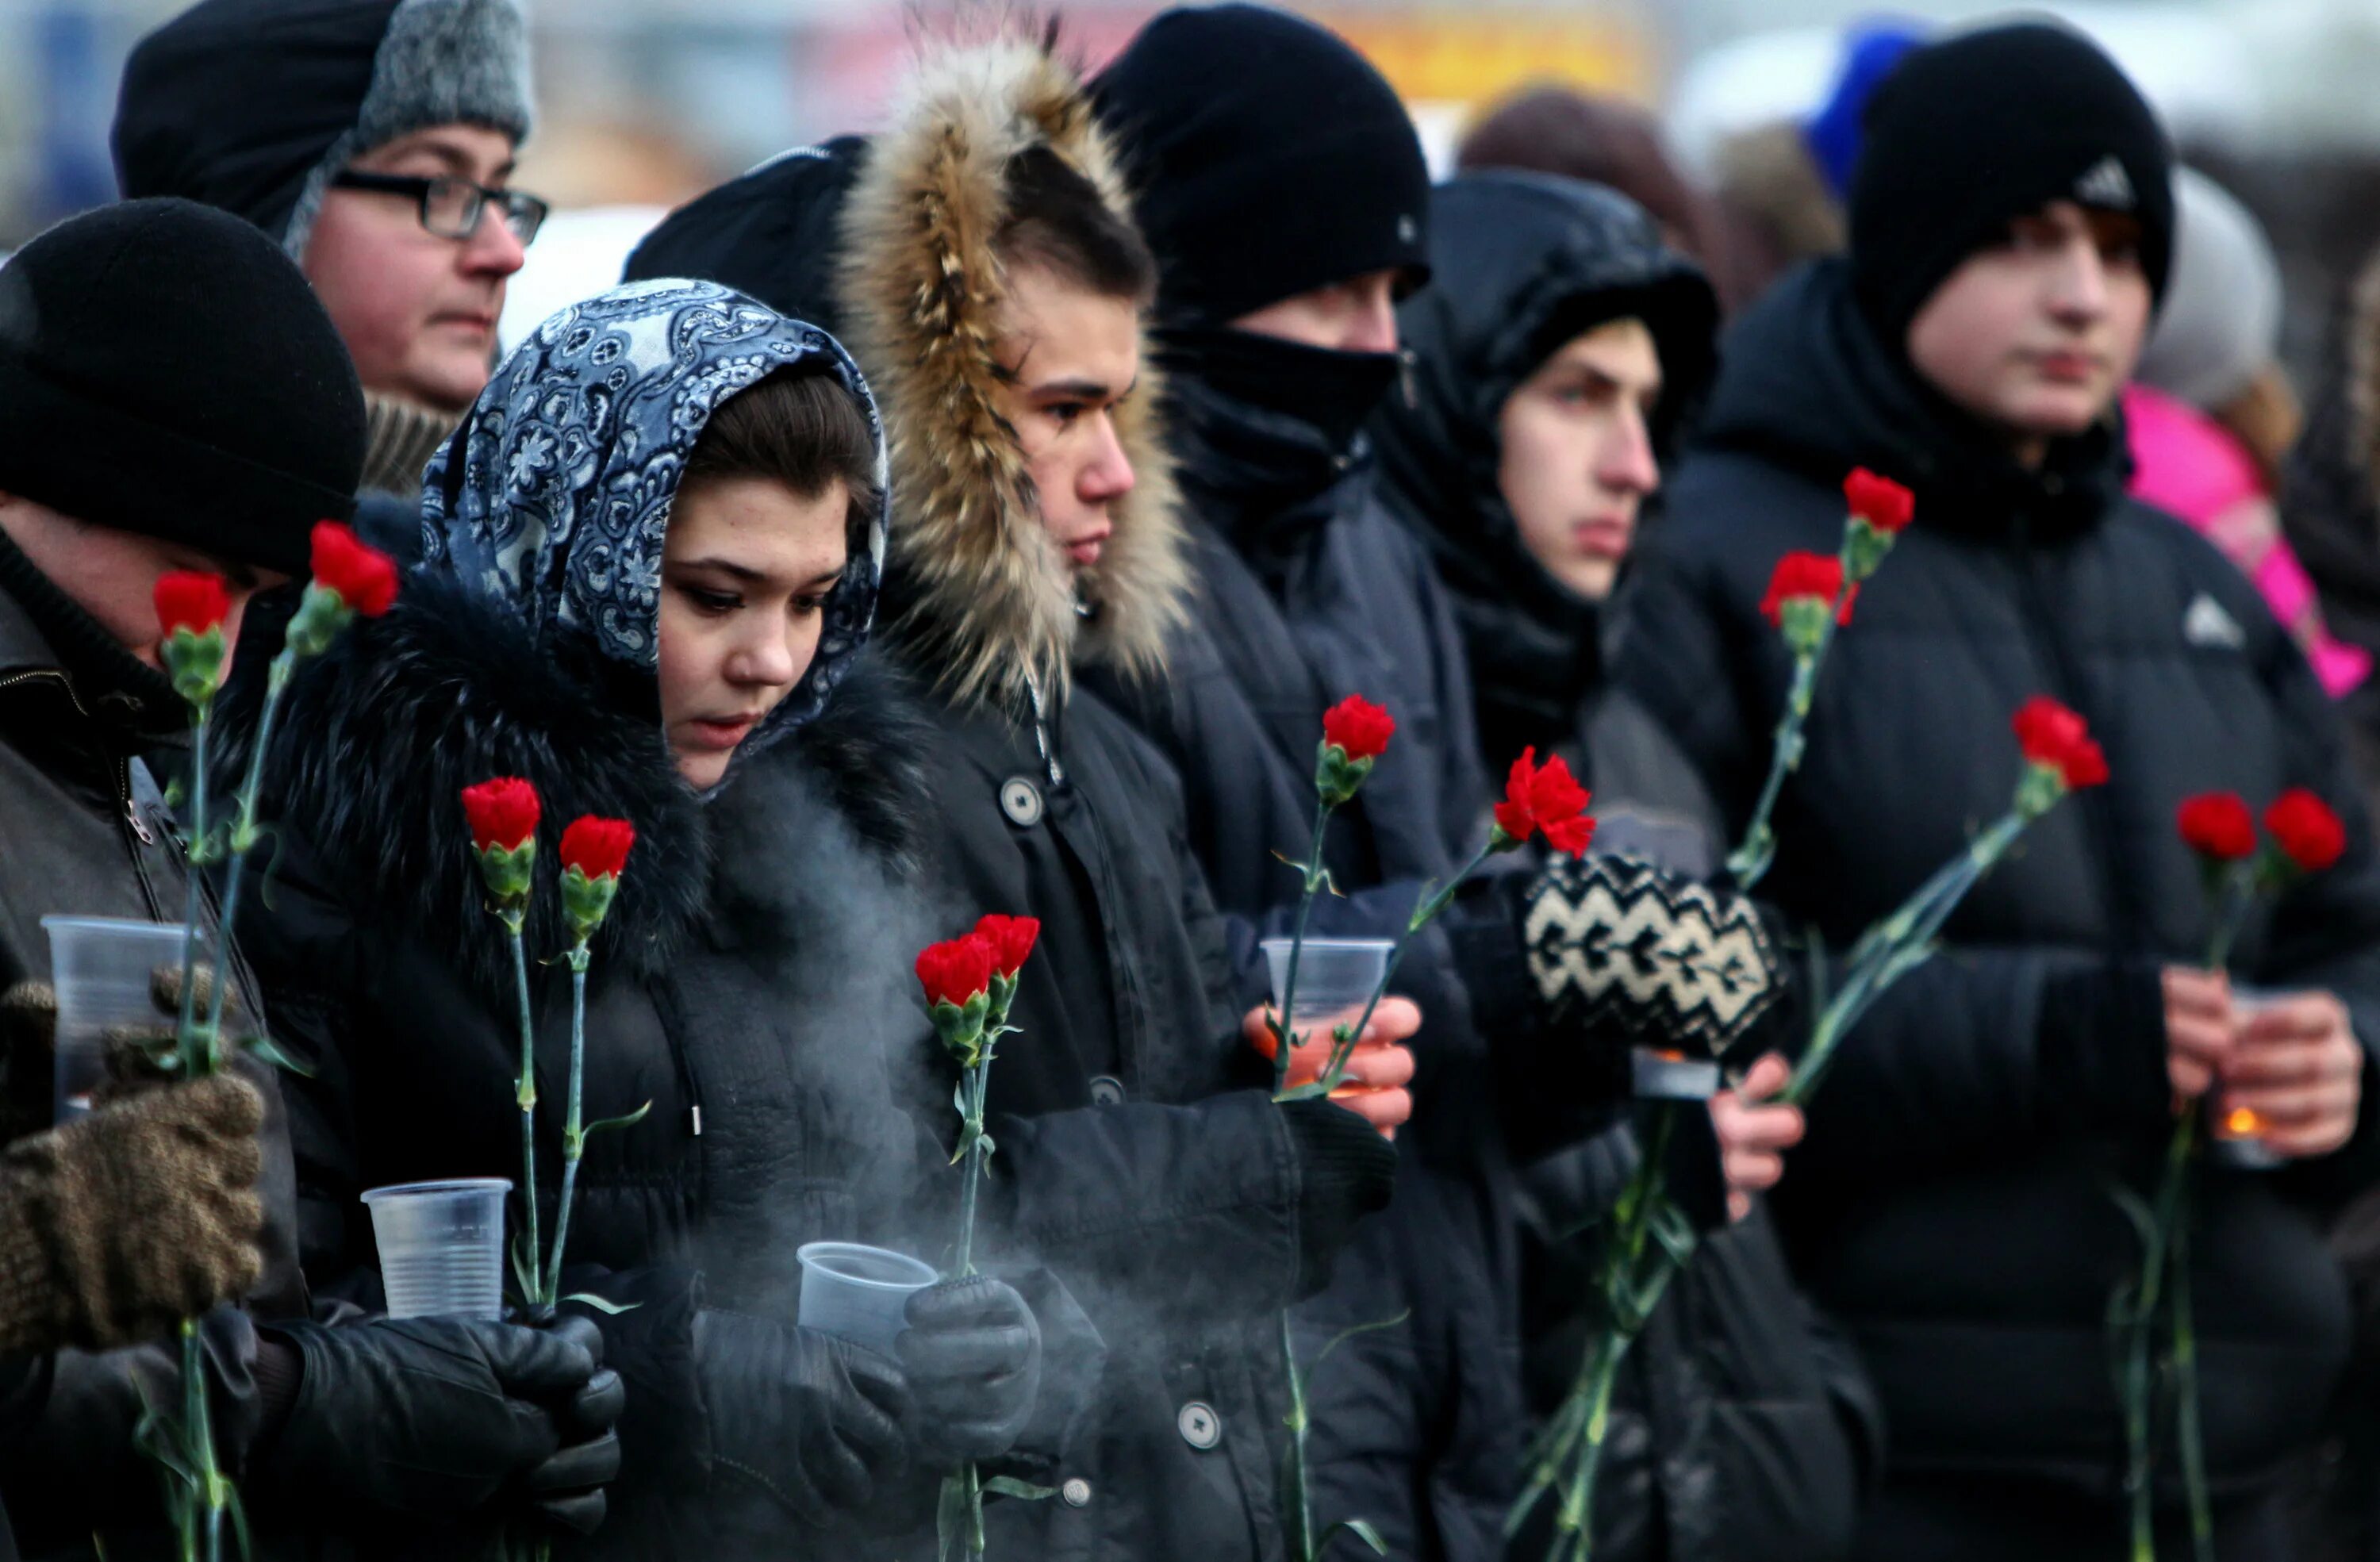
pixel 1469 56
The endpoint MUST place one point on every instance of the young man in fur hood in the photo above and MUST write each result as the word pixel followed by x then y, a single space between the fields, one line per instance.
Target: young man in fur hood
pixel 979 258
pixel 373 140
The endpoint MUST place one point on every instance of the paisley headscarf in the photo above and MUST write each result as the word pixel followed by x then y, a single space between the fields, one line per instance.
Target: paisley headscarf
pixel 555 495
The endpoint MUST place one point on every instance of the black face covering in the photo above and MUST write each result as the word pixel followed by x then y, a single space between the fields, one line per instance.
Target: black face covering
pixel 1334 393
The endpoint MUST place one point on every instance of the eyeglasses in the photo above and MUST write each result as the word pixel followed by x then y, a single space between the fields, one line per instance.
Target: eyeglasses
pixel 451 208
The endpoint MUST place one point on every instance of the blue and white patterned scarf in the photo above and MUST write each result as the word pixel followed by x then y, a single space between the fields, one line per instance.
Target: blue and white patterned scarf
pixel 572 456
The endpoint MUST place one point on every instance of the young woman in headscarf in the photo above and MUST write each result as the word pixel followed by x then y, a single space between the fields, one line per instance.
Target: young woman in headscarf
pixel 651 561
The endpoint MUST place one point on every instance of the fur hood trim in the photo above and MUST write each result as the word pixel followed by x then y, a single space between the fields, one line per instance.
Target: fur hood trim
pixel 378 737
pixel 990 602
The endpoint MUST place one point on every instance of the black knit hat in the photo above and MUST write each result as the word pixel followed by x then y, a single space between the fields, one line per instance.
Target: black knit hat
pixel 1269 157
pixel 164 369
pixel 1971 133
pixel 252 105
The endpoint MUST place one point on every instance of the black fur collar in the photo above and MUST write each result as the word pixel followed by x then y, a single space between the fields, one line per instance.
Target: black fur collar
pixel 378 737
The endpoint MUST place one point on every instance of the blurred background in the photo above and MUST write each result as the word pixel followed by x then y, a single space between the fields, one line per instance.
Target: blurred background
pixel 645 102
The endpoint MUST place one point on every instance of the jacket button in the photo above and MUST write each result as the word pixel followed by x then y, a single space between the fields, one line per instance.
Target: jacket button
pixel 1105 1091
pixel 1021 801
pixel 1199 1426
pixel 1075 1492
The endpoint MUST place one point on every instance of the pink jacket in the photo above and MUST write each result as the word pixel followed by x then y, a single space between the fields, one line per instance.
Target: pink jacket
pixel 2186 462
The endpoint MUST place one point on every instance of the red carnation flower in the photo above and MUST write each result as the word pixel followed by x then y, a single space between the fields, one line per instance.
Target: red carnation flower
pixel 1546 798
pixel 955 970
pixel 364 577
pixel 189 599
pixel 1010 939
pixel 1879 501
pixel 2053 735
pixel 2310 833
pixel 1360 729
pixel 503 812
pixel 597 847
pixel 1815 575
pixel 2217 824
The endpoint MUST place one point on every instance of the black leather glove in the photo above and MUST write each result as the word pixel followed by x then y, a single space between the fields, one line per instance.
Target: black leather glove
pixel 813 1421
pixel 973 1355
pixel 1345 1171
pixel 434 1419
pixel 568 1488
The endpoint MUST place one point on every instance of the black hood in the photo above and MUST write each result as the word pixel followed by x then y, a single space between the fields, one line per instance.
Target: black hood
pixel 1808 386
pixel 771 233
pixel 1522 262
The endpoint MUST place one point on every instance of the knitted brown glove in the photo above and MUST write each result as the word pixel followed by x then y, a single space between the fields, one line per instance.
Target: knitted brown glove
pixel 115 1226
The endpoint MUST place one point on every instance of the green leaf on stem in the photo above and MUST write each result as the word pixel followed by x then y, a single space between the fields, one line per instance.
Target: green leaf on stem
pixel 1010 1486
pixel 1305 1378
pixel 524 1269
pixel 266 1050
pixel 629 1121
pixel 1357 1528
pixel 608 1308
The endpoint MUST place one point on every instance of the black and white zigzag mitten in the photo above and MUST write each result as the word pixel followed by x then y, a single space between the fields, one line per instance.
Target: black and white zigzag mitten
pixel 1680 966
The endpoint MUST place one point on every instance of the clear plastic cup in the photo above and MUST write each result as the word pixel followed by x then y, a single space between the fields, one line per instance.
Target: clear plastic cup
pixel 1334 975
pixel 442 1247
pixel 104 970
pixel 859 1293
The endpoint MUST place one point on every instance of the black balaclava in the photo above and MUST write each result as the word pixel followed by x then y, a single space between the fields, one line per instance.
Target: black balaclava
pixel 1969 134
pixel 166 369
pixel 1273 159
pixel 252 106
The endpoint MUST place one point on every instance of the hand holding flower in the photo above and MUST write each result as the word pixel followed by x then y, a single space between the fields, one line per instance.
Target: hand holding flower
pixel 2199 1028
pixel 1377 1072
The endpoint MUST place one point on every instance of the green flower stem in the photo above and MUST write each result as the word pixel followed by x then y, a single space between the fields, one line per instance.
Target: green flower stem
pixel 2155 1270
pixel 1749 863
pixel 196 1056
pixel 2185 1369
pixel 1894 947
pixel 975 1084
pixel 525 1093
pixel 244 831
pixel 1285 1036
pixel 1301 1495
pixel 1634 1275
pixel 574 1136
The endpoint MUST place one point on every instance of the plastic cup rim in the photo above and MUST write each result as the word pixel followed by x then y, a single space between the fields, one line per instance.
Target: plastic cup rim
pixel 61 919
pixel 1381 946
pixel 814 1255
pixel 440 1185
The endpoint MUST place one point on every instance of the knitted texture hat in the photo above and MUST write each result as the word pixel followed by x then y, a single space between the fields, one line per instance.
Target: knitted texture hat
pixel 1270 159
pixel 1969 134
pixel 252 106
pixel 164 369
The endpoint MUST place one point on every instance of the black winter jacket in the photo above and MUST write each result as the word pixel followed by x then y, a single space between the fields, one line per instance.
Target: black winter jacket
pixel 1746 1429
pixel 1308 592
pixel 1952 1203
pixel 87 833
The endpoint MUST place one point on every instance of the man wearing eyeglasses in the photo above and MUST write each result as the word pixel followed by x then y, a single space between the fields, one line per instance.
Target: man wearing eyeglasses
pixel 374 140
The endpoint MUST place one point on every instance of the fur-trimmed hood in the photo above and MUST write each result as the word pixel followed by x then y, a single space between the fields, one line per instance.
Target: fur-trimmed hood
pixel 889 242
pixel 378 737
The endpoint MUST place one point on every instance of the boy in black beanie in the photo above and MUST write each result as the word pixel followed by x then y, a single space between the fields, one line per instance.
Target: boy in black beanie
pixel 372 139
pixel 1958 1201
pixel 1284 189
pixel 173 397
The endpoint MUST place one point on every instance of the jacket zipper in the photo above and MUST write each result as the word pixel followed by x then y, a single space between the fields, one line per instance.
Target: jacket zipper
pixel 123 767
pixel 2095 807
